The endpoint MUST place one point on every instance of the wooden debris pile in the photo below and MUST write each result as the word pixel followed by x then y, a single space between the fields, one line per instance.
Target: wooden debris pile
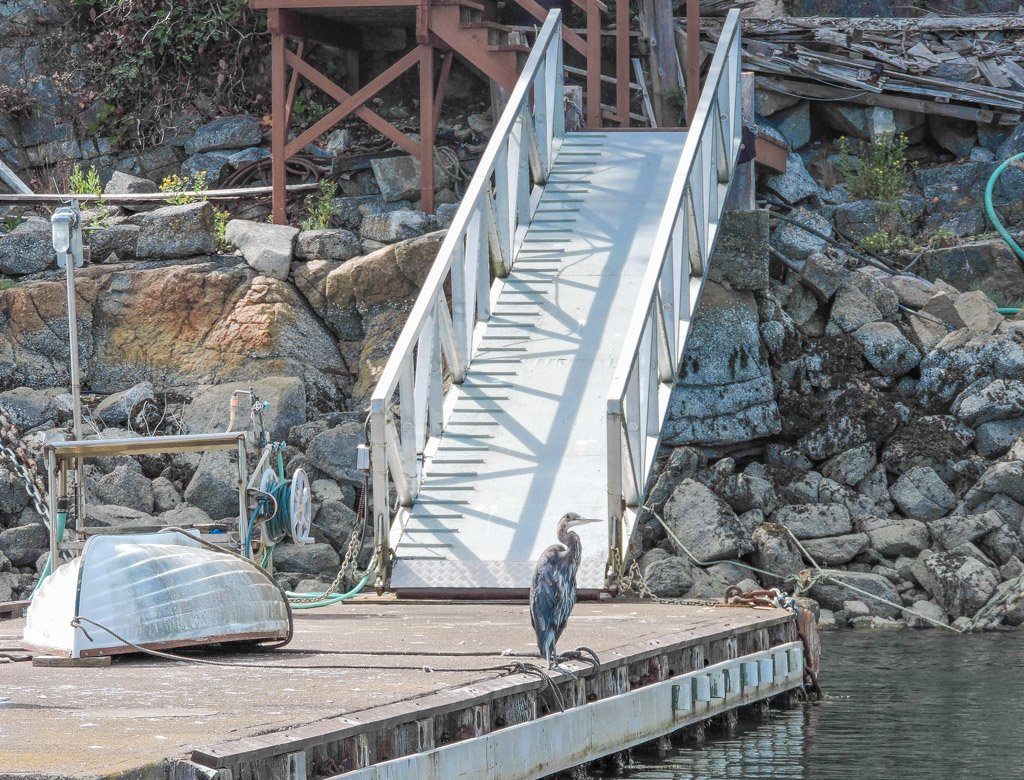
pixel 969 68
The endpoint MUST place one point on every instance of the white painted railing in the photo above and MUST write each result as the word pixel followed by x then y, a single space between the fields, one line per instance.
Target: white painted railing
pixel 652 352
pixel 437 342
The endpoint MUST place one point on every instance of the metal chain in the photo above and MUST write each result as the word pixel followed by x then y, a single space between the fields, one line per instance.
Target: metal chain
pixel 14 452
pixel 635 582
pixel 348 563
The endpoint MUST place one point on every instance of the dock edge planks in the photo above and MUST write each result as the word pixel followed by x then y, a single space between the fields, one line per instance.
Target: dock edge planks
pixel 509 727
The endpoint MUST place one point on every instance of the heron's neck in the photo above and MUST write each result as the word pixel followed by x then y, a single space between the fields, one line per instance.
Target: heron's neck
pixel 570 539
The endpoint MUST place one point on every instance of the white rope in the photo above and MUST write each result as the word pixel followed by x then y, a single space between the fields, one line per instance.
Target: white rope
pixel 822 574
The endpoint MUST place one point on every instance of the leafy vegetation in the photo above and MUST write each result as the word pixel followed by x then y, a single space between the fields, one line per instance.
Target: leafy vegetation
pixel 220 228
pixel 886 241
pixel 84 181
pixel 158 60
pixel 879 171
pixel 177 185
pixel 320 206
pixel 942 237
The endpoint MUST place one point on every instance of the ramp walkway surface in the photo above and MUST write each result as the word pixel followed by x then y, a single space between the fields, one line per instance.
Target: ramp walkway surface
pixel 533 375
pixel 525 442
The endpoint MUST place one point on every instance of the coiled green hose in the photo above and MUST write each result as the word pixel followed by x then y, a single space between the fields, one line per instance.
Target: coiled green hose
pixel 998 223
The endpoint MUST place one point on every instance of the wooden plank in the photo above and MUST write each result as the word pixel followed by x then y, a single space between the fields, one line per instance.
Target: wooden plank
pixel 1014 71
pixel 895 101
pixel 993 75
pixel 57 662
pixel 10 609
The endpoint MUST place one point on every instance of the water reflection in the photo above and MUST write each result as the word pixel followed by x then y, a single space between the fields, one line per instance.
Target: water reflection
pixel 902 705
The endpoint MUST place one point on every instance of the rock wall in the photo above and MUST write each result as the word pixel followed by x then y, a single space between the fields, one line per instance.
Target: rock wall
pixel 724 393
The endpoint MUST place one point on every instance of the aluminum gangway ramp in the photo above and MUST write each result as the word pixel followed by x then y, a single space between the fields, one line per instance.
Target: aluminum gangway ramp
pixel 532 376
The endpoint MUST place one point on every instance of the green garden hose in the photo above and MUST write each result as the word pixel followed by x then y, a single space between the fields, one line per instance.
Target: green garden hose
pixel 62 521
pixel 998 223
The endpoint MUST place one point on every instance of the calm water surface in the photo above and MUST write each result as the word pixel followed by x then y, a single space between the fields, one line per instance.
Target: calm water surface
pixel 900 705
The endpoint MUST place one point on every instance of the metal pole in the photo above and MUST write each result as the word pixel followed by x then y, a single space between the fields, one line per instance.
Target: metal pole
pixel 67 243
pixel 51 470
pixel 243 496
pixel 74 258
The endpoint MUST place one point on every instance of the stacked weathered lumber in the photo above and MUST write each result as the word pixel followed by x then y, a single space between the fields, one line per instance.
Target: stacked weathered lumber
pixel 964 67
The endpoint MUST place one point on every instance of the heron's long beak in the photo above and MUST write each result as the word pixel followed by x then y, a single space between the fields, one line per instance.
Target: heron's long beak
pixel 588 520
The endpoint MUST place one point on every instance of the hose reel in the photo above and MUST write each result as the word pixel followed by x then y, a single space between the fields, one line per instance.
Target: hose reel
pixel 287 508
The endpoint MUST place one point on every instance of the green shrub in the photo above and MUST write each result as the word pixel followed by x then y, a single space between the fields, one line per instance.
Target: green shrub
pixel 880 170
pixel 174 183
pixel 320 206
pixel 675 101
pixel 942 237
pixel 220 228
pixel 886 242
pixel 84 182
pixel 998 297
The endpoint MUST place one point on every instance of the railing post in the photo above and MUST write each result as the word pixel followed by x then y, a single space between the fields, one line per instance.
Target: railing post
pixel 502 198
pixel 613 436
pixel 558 79
pixel 421 385
pixel 381 502
pixel 407 425
pixel 541 118
pixel 477 253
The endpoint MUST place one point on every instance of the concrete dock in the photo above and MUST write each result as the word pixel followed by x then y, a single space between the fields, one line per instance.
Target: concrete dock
pixel 389 689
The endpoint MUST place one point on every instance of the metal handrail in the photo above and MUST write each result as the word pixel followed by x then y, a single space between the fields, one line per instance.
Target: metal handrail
pixel 438 337
pixel 655 340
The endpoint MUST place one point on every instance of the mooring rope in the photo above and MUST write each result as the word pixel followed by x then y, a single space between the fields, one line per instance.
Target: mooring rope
pixel 804 582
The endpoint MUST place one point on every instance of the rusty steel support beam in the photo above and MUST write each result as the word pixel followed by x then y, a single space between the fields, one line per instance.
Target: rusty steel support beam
pixel 593 98
pixel 278 120
pixel 347 104
pixel 442 85
pixel 622 62
pixel 692 58
pixel 538 12
pixel 293 85
pixel 373 119
pixel 427 127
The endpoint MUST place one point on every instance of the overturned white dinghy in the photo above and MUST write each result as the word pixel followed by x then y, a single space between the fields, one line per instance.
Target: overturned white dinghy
pixel 156 591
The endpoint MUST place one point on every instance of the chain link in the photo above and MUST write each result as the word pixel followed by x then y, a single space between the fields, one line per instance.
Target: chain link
pixel 15 453
pixel 348 563
pixel 633 581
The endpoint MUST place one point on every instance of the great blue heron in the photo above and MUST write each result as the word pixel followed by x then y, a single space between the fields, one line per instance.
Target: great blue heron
pixel 553 592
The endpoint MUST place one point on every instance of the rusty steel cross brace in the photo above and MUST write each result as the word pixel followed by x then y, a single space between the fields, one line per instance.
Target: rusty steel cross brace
pixel 284 20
